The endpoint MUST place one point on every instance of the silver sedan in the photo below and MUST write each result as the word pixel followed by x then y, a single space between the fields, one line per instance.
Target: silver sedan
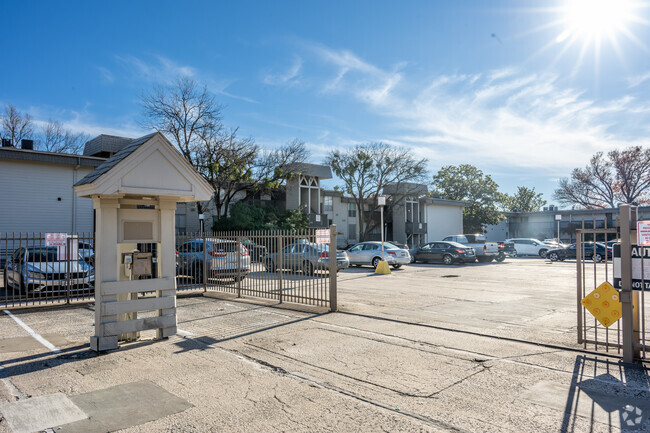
pixel 369 254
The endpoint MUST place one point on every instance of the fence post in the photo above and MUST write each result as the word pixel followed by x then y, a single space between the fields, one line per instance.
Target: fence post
pixel 579 283
pixel 279 265
pixel 333 275
pixel 205 262
pixel 238 277
pixel 630 316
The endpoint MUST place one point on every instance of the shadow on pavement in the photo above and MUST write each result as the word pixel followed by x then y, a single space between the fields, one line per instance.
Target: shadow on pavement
pixel 608 392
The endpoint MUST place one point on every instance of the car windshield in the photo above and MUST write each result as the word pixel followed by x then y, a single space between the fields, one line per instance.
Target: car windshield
pixel 45 254
pixel 42 255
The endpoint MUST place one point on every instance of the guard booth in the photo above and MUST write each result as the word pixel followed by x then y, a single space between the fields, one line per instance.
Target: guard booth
pixel 135 194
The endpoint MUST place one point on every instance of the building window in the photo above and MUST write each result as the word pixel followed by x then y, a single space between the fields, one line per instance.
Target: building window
pixel 328 206
pixel 352 210
pixel 352 231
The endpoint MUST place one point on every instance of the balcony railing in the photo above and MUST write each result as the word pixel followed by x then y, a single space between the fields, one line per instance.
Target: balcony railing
pixel 416 228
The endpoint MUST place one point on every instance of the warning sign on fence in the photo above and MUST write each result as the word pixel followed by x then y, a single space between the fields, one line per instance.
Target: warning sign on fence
pixel 643 233
pixel 60 241
pixel 322 236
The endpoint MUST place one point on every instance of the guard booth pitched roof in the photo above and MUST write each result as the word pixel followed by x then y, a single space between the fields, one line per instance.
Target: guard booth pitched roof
pixel 148 165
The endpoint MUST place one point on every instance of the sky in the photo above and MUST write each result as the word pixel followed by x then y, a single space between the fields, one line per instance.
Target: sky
pixel 524 90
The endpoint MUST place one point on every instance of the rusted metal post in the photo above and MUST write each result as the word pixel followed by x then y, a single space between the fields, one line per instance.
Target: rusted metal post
pixel 205 272
pixel 240 250
pixel 279 265
pixel 579 283
pixel 333 275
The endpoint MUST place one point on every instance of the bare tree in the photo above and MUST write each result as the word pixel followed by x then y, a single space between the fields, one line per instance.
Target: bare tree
pixel 55 138
pixel 621 177
pixel 366 169
pixel 234 166
pixel 187 114
pixel 16 125
pixel 238 168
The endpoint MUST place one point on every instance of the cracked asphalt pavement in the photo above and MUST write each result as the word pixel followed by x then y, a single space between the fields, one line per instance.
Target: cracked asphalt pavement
pixel 492 349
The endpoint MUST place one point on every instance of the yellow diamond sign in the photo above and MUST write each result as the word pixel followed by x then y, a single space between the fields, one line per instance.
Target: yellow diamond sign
pixel 604 304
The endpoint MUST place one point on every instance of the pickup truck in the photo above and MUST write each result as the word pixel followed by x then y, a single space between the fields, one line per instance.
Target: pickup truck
pixel 485 251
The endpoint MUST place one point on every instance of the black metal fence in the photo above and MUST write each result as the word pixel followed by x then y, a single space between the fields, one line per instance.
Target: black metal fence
pixel 286 266
pixel 44 268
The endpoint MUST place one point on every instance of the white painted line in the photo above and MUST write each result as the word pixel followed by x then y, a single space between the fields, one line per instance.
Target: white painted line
pixel 33 333
pixel 188 333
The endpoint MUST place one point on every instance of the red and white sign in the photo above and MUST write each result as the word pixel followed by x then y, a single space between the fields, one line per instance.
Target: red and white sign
pixel 60 241
pixel 643 233
pixel 322 236
pixel 55 239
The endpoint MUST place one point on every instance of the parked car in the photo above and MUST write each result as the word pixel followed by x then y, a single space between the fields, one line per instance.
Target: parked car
pixel 444 252
pixel 222 259
pixel 305 257
pixel 39 269
pixel 569 252
pixel 369 254
pixel 485 251
pixel 505 249
pixel 257 252
pixel 87 252
pixel 529 247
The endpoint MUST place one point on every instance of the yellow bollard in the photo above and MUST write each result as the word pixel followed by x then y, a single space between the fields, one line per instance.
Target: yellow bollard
pixel 382 268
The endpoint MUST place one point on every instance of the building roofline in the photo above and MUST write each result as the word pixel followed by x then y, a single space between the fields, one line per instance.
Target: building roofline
pixel 444 201
pixel 571 212
pixel 49 157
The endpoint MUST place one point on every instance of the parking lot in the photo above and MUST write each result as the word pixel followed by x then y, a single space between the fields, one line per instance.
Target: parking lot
pixel 465 348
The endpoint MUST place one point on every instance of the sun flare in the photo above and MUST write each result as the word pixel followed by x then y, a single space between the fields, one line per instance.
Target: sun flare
pixel 591 20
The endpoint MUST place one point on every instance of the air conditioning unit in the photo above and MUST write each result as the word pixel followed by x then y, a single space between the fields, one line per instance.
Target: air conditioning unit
pixel 27 144
pixel 6 142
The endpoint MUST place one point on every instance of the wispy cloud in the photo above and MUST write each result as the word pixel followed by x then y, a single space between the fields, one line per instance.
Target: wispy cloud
pixel 502 117
pixel 289 76
pixel 106 74
pixel 352 74
pixel 83 121
pixel 638 79
pixel 162 70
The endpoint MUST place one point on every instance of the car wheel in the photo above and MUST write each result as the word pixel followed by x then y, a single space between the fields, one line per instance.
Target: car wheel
pixel 375 262
pixel 597 258
pixel 542 253
pixel 514 253
pixel 447 259
pixel 239 278
pixel 553 257
pixel 22 287
pixel 5 281
pixel 307 268
pixel 270 266
pixel 501 257
pixel 397 266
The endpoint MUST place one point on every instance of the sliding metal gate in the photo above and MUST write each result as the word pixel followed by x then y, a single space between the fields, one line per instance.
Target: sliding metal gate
pixel 286 266
pixel 629 335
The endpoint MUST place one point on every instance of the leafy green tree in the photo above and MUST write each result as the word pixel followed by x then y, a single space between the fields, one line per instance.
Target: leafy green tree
pixel 467 183
pixel 366 168
pixel 524 200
